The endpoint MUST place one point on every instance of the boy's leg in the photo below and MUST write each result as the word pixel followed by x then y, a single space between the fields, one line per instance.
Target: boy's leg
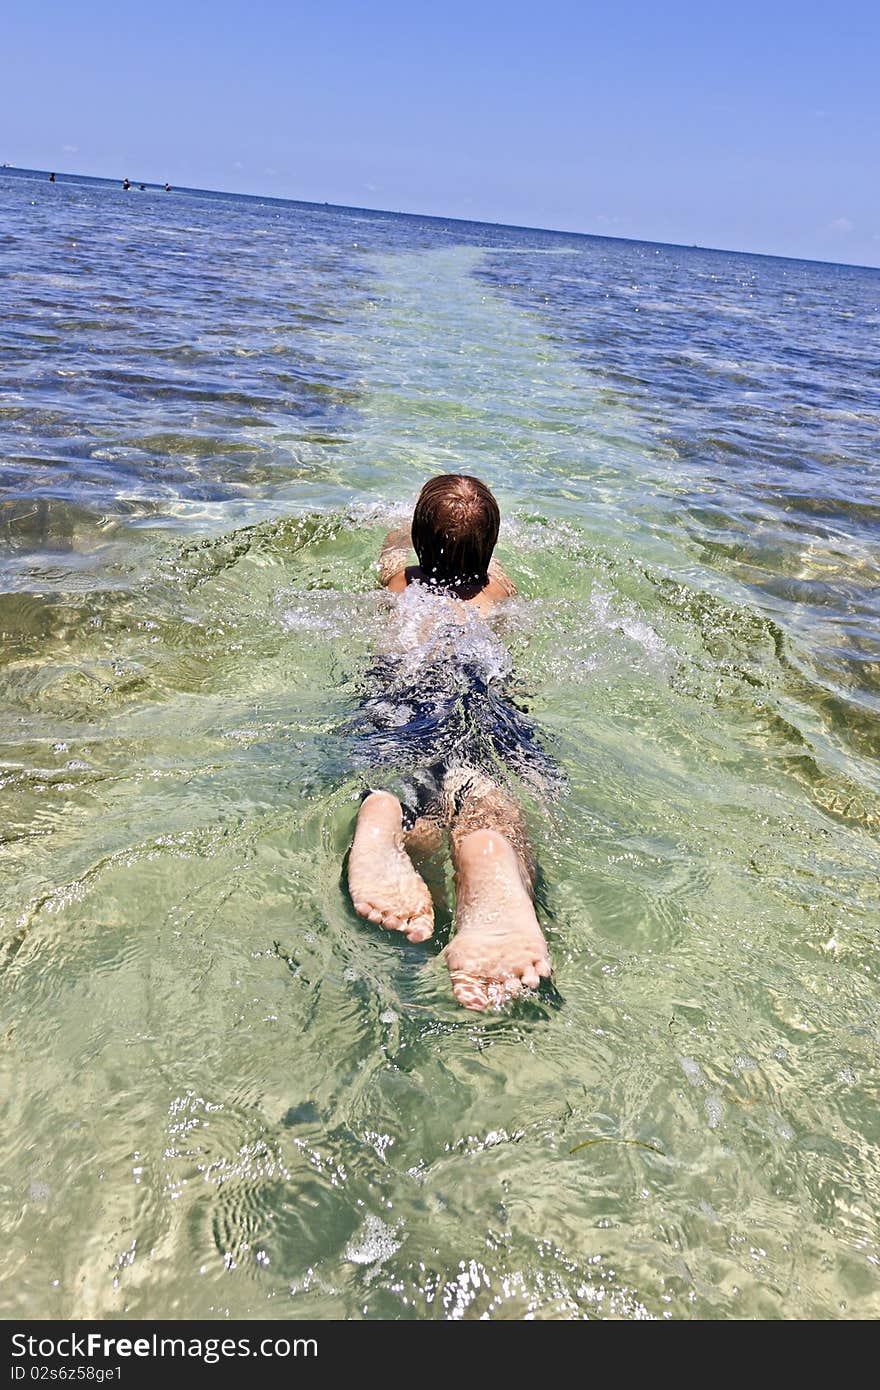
pixel 498 947
pixel 385 887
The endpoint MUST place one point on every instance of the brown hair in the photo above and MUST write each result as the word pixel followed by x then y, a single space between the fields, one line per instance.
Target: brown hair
pixel 454 529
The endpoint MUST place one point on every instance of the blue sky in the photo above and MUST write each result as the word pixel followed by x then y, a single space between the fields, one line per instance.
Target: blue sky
pixel 749 126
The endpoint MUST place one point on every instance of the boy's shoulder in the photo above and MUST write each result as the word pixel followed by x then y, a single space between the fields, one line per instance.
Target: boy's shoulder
pixel 499 587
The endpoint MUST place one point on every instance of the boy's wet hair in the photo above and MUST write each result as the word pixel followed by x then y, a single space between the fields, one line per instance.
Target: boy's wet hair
pixel 454 529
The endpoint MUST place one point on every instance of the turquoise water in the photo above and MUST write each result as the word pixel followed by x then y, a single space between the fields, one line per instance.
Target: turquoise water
pixel 225 1095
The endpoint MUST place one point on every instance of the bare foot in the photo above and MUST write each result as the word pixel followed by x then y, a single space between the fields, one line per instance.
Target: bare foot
pixel 384 886
pixel 498 948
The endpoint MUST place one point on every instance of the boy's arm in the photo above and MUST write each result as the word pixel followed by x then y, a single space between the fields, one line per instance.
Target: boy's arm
pixel 395 554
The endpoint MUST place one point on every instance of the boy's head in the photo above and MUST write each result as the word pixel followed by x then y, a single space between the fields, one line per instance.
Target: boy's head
pixel 454 529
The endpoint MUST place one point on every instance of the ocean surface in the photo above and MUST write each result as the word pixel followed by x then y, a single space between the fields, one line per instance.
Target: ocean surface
pixel 223 1093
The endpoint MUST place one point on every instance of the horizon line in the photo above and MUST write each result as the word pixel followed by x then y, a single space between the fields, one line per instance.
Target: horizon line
pixel 441 217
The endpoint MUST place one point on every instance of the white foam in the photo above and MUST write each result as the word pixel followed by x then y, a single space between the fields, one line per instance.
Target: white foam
pixel 629 623
pixel 374 1244
pixel 325 611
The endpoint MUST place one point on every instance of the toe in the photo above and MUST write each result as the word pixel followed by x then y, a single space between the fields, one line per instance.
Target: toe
pixel 530 977
pixel 420 928
pixel 365 909
pixel 469 992
pixel 501 991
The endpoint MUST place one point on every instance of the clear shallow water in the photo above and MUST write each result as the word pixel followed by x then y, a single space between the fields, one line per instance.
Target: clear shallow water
pixel 225 1095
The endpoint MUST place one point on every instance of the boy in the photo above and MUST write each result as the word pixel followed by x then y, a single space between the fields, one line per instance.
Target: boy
pixel 498 948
